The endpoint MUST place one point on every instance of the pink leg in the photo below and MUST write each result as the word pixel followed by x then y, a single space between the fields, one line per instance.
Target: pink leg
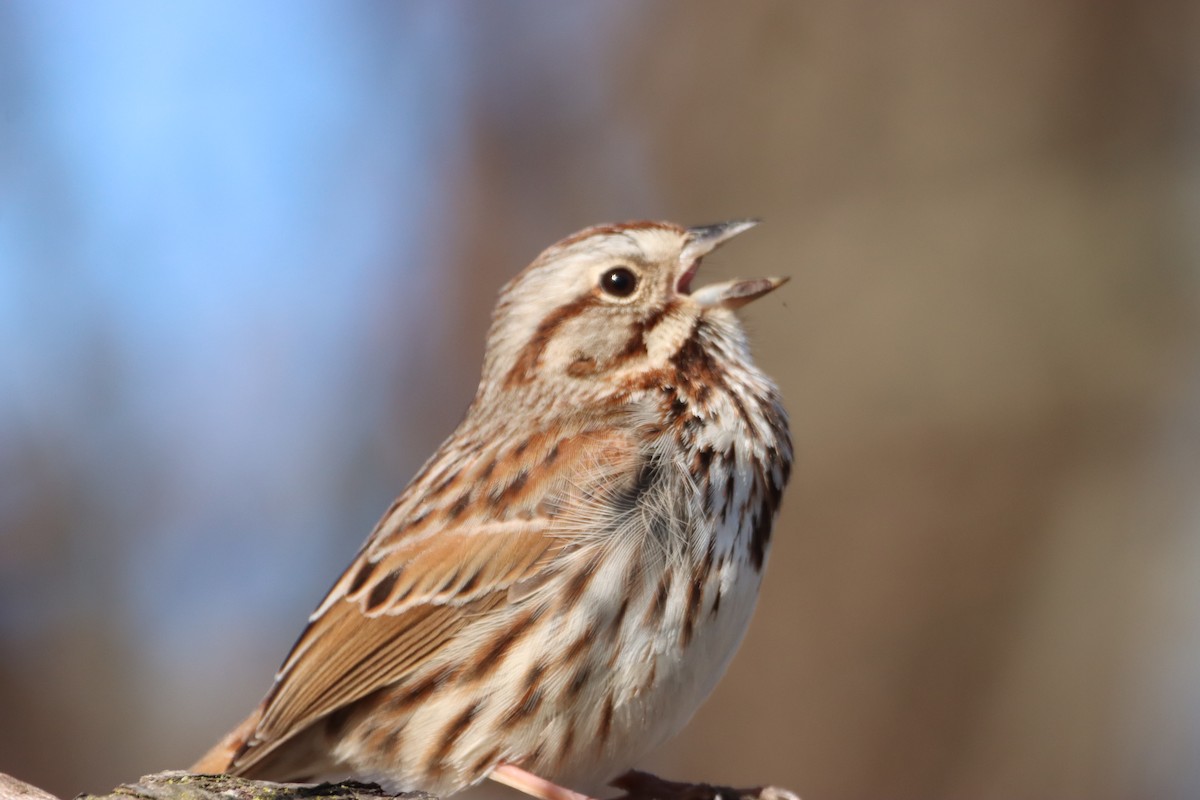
pixel 532 785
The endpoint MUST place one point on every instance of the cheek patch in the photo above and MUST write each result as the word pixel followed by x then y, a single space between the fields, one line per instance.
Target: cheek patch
pixel 589 343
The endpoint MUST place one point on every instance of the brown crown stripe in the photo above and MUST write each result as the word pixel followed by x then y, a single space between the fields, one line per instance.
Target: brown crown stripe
pixel 527 360
pixel 617 228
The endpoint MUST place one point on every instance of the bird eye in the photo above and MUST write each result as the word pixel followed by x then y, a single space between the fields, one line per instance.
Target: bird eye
pixel 619 281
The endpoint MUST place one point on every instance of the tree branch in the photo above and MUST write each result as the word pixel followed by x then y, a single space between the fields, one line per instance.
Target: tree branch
pixel 179 785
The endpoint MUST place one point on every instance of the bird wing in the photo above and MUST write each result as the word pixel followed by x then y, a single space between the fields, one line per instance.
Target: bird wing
pixel 462 542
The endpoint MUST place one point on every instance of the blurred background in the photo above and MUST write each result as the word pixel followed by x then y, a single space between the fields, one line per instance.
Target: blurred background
pixel 247 258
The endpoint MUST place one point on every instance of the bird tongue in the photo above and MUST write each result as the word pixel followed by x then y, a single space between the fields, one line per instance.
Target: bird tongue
pixel 684 284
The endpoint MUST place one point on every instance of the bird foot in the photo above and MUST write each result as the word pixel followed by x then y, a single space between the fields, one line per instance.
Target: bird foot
pixel 533 785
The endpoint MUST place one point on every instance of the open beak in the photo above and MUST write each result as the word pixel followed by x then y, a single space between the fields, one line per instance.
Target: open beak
pixel 703 240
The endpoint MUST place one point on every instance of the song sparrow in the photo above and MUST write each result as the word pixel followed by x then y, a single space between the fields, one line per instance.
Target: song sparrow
pixel 565 580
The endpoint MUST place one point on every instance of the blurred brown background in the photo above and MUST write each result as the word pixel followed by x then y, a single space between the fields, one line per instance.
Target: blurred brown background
pixel 986 581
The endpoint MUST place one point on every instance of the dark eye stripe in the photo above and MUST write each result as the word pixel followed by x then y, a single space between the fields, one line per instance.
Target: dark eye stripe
pixel 531 353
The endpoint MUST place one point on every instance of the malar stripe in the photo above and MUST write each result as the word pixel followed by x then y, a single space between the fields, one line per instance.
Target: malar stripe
pixel 658 315
pixel 636 346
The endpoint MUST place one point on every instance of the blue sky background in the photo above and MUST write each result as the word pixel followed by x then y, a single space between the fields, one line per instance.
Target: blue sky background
pixel 200 209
